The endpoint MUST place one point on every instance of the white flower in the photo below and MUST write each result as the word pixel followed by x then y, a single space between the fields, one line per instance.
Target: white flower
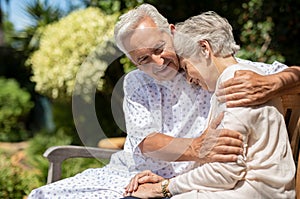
pixel 64 47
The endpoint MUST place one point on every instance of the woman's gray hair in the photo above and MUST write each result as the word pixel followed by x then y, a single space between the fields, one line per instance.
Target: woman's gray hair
pixel 207 26
pixel 130 20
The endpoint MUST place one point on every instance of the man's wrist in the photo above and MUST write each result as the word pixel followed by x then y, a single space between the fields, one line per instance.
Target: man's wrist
pixel 278 83
pixel 287 80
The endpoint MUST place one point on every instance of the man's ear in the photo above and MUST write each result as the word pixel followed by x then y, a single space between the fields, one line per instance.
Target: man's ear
pixel 204 48
pixel 172 28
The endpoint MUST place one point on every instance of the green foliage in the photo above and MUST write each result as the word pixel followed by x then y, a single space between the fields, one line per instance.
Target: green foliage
pixel 256 34
pixel 15 104
pixel 127 64
pixel 42 141
pixel 15 182
pixel 55 66
pixel 63 119
pixel 8 29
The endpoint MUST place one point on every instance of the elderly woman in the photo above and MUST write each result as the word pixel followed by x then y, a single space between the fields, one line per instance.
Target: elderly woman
pixel 266 169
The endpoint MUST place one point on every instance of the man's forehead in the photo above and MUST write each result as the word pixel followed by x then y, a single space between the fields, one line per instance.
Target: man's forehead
pixel 146 38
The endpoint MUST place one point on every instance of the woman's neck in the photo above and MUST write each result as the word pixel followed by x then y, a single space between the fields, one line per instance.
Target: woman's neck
pixel 222 63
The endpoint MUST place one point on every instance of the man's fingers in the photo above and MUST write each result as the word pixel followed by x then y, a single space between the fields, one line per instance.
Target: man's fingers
pixel 226 133
pixel 229 142
pixel 239 103
pixel 130 187
pixel 134 182
pixel 231 82
pixel 224 158
pixel 232 96
pixel 229 150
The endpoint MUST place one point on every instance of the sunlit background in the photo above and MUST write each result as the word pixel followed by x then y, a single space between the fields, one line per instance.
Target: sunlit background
pixel 44 43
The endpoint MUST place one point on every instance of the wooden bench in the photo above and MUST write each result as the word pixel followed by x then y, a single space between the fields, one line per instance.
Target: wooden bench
pixel 57 154
pixel 291 104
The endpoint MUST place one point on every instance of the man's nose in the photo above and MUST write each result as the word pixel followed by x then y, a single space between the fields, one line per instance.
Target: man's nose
pixel 158 59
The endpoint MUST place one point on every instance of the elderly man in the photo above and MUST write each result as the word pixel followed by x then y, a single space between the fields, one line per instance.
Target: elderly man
pixel 165 116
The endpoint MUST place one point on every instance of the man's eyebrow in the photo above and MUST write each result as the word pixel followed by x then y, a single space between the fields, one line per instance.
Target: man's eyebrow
pixel 159 44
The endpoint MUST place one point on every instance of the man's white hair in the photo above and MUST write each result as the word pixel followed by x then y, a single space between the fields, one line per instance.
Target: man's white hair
pixel 207 26
pixel 130 20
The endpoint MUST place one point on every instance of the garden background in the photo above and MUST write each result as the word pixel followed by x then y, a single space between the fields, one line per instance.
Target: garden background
pixel 39 67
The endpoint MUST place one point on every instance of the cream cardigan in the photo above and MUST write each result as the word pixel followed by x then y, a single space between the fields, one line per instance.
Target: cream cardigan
pixel 266 170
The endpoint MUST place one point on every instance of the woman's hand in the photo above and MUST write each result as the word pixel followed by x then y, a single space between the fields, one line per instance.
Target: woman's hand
pixel 141 178
pixel 147 190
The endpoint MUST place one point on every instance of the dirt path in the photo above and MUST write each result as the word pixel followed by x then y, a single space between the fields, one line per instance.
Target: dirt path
pixel 13 147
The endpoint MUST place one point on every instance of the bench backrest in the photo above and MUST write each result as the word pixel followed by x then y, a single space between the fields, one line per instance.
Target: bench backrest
pixel 291 105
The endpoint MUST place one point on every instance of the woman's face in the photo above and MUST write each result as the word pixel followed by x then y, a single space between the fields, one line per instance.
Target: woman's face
pixel 193 74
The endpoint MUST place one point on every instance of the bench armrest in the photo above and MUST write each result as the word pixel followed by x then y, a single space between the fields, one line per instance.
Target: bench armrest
pixel 57 154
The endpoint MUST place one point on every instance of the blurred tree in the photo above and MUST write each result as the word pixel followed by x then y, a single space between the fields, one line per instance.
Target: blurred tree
pixel 1 22
pixel 41 13
pixel 256 34
pixel 15 105
pixel 286 32
pixel 19 45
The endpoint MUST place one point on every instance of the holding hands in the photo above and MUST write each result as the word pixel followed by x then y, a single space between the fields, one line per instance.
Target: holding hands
pixel 145 185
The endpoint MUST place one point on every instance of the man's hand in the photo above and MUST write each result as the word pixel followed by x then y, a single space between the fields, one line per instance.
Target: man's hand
pixel 248 88
pixel 217 145
pixel 143 177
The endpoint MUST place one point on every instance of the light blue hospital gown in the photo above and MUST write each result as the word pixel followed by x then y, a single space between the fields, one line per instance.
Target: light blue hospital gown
pixel 174 108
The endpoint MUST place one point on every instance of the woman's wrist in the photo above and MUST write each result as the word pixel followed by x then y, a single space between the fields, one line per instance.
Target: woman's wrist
pixel 164 188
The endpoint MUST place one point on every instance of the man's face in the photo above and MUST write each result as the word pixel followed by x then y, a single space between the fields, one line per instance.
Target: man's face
pixel 151 49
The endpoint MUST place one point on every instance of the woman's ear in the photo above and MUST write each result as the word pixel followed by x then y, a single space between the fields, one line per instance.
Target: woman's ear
pixel 172 28
pixel 204 48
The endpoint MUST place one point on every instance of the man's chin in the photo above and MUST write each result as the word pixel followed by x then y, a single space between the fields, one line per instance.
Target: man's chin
pixel 171 75
pixel 165 75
